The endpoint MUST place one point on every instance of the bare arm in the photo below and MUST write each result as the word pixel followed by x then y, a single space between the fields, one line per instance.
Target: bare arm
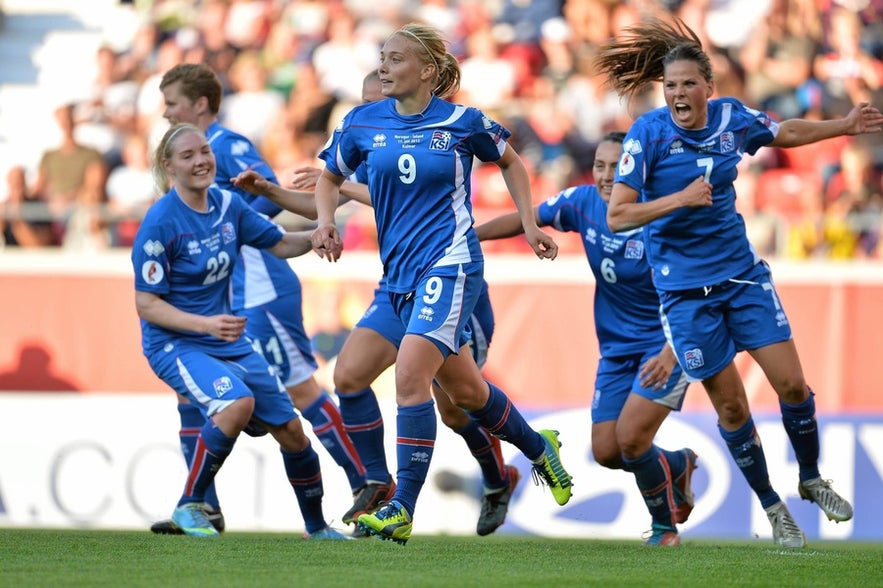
pixel 863 118
pixel 325 239
pixel 518 182
pixel 305 178
pixel 356 191
pixel 155 310
pixel 504 226
pixel 296 201
pixel 293 244
pixel 625 212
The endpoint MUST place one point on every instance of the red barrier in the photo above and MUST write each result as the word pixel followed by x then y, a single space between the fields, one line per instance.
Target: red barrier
pixel 69 323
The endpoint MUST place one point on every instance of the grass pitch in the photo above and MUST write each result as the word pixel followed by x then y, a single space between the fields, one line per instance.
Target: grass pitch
pixel 56 558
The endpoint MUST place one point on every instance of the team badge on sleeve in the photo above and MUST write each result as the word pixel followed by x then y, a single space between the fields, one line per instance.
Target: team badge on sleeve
pixel 632 146
pixel 152 247
pixel 626 164
pixel 152 272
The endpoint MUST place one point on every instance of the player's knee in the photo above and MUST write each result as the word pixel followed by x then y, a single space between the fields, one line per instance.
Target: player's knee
pixel 348 380
pixel 793 389
pixel 291 436
pixel 453 417
pixel 607 456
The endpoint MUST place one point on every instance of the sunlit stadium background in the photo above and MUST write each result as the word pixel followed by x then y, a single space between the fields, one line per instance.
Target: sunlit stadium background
pixel 88 435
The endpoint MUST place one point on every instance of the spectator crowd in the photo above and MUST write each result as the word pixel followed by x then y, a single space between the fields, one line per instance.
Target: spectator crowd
pixel 292 68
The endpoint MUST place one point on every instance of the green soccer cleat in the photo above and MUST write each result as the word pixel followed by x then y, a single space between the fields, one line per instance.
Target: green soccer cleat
pixel 389 522
pixel 550 471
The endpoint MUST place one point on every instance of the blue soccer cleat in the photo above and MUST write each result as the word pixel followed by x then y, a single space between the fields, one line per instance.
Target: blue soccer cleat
pixel 327 534
pixel 193 521
pixel 662 536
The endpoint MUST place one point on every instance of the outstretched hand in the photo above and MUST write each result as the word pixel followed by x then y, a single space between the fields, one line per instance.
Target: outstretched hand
pixel 305 177
pixel 326 242
pixel 864 118
pixel 251 181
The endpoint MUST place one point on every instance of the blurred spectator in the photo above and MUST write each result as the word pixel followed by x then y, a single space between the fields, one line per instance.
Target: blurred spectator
pixel 729 78
pixel 279 56
pixel 71 179
pixel 447 16
pixel 309 21
pixel 557 44
pixel 849 74
pixel 523 20
pixel 855 191
pixel 838 239
pixel 247 23
pixel 109 113
pixel 589 20
pixel 591 106
pixel 541 135
pixel 150 103
pixel 23 218
pixel 804 222
pixel 312 110
pixel 292 69
pixel 729 24
pixel 252 106
pixel 130 190
pixel 138 60
pixel 778 62
pixel 345 58
pixel 219 52
pixel 487 80
pixel 856 175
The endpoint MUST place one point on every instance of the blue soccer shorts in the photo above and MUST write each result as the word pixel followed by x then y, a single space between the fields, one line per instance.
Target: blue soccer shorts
pixel 707 326
pixel 617 377
pixel 213 383
pixel 276 331
pixel 441 306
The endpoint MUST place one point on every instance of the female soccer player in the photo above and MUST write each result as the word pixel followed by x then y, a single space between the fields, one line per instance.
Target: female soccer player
pixel 371 348
pixel 676 177
pixel 266 290
pixel 638 381
pixel 419 150
pixel 184 255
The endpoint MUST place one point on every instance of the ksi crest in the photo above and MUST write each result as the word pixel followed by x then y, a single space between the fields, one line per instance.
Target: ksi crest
pixel 440 141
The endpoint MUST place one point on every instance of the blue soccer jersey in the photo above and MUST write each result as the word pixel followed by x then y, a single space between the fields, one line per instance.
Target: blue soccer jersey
pixel 418 170
pixel 187 258
pixel 261 277
pixel 626 304
pixel 695 247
